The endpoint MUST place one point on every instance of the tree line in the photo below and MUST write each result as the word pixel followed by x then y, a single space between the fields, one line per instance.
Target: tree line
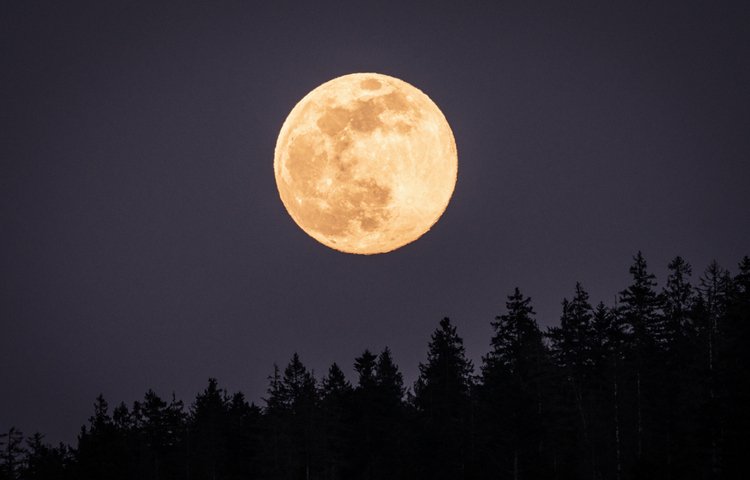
pixel 654 386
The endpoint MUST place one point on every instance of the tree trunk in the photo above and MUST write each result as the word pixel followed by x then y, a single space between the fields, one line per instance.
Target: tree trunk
pixel 618 454
pixel 639 451
pixel 584 425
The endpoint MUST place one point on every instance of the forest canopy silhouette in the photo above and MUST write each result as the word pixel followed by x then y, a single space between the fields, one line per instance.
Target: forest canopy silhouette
pixel 654 386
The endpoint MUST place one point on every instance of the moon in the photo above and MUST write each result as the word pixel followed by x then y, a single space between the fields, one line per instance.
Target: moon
pixel 365 163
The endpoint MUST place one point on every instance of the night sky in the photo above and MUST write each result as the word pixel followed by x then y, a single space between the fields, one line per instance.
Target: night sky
pixel 143 243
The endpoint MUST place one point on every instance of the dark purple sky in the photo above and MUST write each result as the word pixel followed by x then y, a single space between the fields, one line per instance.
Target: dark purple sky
pixel 143 243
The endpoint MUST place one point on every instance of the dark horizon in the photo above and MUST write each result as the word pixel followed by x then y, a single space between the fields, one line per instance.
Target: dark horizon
pixel 144 244
pixel 652 388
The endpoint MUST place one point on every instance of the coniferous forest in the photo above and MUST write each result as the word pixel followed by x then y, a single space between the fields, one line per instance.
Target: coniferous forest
pixel 654 386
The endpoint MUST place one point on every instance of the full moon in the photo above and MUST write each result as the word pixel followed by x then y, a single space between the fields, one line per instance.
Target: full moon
pixel 365 163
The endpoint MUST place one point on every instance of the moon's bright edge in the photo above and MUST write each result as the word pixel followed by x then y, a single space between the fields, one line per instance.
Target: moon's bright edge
pixel 365 163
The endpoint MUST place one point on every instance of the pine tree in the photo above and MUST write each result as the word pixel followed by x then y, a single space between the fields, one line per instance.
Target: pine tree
pixel 572 341
pixel 742 281
pixel 735 359
pixel 365 452
pixel 572 347
pixel 608 355
pixel 388 379
pixel 513 393
pixel 207 440
pixel 643 325
pixel 608 336
pixel 12 450
pixel 442 399
pixel 678 370
pixel 243 438
pixel 300 395
pixel 44 462
pixel 290 422
pixel 679 297
pixel 335 385
pixel 335 393
pixel 388 415
pixel 122 418
pixel 160 430
pixel 101 448
pixel 275 419
pixel 364 365
pixel 715 288
pixel 640 308
pixel 275 399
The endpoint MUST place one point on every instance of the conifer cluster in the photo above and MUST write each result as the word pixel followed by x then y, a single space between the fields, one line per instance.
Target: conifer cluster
pixel 654 386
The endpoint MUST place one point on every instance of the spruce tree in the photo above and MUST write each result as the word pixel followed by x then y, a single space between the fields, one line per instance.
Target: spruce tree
pixel 679 297
pixel 101 450
pixel 734 365
pixel 572 348
pixel 11 453
pixel 44 462
pixel 335 385
pixel 513 393
pixel 365 449
pixel 299 393
pixel 364 365
pixel 243 438
pixel 442 399
pixel 607 385
pixel 161 433
pixel 639 313
pixel 335 393
pixel 678 370
pixel 639 308
pixel 276 417
pixel 389 416
pixel 572 341
pixel 388 379
pixel 715 288
pixel 207 441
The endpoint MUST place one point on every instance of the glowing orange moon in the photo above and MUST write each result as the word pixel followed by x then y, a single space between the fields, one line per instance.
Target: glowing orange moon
pixel 365 163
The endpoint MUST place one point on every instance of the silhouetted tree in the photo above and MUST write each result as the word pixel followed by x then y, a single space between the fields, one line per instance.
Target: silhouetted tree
pixel 389 418
pixel 102 448
pixel 639 306
pixel 243 438
pixel 364 455
pixel 12 450
pixel 335 393
pixel 679 299
pixel 207 436
pixel 160 428
pixel 573 345
pixel 715 294
pixel 388 380
pixel 443 402
pixel 291 423
pixel 44 462
pixel 652 387
pixel 300 396
pixel 275 419
pixel 644 335
pixel 513 403
pixel 679 371
pixel 735 362
pixel 608 354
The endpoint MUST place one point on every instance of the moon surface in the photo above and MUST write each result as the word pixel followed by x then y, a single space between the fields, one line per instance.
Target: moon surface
pixel 365 163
